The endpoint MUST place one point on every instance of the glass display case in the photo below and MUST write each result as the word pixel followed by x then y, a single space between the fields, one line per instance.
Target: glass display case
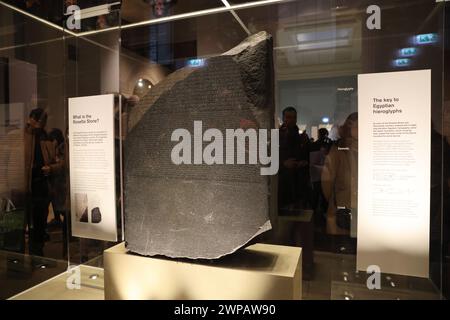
pixel 360 92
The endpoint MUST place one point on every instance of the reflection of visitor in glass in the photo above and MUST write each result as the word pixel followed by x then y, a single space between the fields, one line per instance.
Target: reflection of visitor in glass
pixel 69 3
pixel 31 3
pixel 304 196
pixel 161 7
pixel 293 161
pixel 323 141
pixel 59 186
pixel 56 137
pixel 40 155
pixel 340 180
pixel 102 23
pixel 318 153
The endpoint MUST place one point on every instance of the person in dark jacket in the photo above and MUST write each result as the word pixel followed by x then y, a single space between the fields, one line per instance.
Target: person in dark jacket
pixel 40 164
pixel 294 158
pixel 318 153
pixel 58 180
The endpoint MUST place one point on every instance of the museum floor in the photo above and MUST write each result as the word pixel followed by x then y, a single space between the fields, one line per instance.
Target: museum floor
pixel 332 279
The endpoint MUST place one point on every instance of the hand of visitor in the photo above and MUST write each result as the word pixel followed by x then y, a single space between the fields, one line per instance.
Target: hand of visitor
pixel 302 164
pixel 46 170
pixel 291 163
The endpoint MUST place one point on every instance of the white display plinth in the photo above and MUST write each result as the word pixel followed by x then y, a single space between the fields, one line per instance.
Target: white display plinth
pixel 260 271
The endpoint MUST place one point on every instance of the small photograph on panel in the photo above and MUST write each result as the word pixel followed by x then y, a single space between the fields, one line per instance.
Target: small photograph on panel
pixel 96 215
pixel 81 207
pixel 95 209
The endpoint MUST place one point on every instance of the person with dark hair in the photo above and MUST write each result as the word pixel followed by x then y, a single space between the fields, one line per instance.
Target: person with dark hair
pixel 290 117
pixel 56 136
pixel 340 183
pixel 289 153
pixel 293 160
pixel 323 133
pixel 41 163
pixel 323 141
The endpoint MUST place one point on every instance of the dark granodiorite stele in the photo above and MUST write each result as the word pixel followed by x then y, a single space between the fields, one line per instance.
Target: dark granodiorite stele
pixel 199 211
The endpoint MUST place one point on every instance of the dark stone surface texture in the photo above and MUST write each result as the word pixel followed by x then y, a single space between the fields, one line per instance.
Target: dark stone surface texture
pixel 199 211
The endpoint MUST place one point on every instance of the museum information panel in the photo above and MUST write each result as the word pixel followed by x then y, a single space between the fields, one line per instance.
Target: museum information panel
pixel 92 167
pixel 394 172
